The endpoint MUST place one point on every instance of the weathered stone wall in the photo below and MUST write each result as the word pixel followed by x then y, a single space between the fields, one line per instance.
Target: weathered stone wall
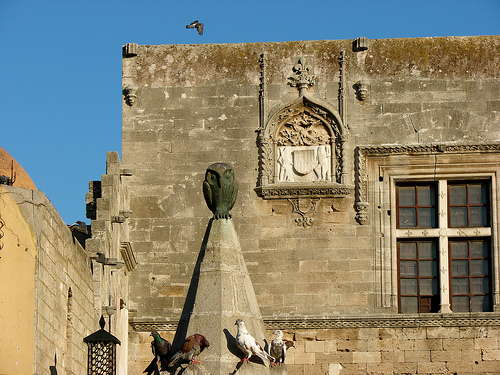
pixel 111 252
pixel 425 350
pixel 193 105
pixel 62 297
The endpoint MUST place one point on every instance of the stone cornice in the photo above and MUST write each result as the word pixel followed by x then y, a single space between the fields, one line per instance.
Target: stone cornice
pixel 376 321
pixel 428 149
pixel 311 191
pixel 363 152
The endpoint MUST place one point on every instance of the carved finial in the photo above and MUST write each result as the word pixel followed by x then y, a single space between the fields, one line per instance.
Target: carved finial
pixel 301 79
pixel 102 322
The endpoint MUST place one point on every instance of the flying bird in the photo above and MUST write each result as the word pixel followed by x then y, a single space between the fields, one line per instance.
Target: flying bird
pixel 160 348
pixel 278 348
pixel 248 344
pixel 196 25
pixel 192 346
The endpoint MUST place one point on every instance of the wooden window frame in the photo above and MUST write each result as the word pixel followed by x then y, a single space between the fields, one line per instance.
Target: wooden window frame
pixel 422 298
pixel 469 276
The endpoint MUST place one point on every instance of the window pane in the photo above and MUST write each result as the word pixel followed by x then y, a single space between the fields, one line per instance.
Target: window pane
pixel 409 304
pixel 480 303
pixel 479 267
pixel 459 268
pixel 479 285
pixel 458 194
pixel 478 216
pixel 478 249
pixel 407 196
pixel 459 249
pixel 409 287
pixel 458 216
pixel 428 268
pixel 427 250
pixel 460 286
pixel 428 287
pixel 426 218
pixel 460 304
pixel 408 269
pixel 477 194
pixel 407 217
pixel 408 250
pixel 425 195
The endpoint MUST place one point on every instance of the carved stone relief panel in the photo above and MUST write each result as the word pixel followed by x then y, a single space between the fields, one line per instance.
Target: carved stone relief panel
pixel 302 152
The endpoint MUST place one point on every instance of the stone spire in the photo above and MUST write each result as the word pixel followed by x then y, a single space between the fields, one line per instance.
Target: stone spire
pixel 220 293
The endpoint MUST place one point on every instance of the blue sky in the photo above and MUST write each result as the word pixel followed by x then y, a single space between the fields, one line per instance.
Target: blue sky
pixel 60 101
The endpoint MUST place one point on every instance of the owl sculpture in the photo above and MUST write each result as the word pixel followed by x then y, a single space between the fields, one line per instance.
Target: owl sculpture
pixel 220 189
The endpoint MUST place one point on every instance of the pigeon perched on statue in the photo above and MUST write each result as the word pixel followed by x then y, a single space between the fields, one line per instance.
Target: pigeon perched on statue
pixel 192 346
pixel 278 348
pixel 161 349
pixel 248 344
pixel 196 25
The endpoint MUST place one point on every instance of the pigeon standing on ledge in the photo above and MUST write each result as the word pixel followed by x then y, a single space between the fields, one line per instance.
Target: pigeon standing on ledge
pixel 248 344
pixel 278 348
pixel 161 349
pixel 192 346
pixel 196 25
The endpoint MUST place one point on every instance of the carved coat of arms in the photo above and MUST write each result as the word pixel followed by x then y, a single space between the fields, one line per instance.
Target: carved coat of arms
pixel 304 152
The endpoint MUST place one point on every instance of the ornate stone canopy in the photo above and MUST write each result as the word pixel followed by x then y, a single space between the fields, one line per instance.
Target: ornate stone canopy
pixel 302 152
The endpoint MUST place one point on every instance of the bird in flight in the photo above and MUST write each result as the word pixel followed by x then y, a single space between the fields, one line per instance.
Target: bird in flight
pixel 196 25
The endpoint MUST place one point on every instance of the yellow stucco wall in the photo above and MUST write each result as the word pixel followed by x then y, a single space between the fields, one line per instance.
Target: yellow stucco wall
pixel 18 256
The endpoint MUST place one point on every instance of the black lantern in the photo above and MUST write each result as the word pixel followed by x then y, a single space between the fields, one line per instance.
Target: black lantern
pixel 102 351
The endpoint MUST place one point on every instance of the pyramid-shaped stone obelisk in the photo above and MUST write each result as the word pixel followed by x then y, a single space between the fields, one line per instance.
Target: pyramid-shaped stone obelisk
pixel 221 292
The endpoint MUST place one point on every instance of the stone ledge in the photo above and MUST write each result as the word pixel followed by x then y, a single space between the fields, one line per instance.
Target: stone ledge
pixel 376 321
pixel 290 190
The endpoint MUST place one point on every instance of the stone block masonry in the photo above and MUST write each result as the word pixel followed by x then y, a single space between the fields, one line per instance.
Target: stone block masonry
pixel 318 134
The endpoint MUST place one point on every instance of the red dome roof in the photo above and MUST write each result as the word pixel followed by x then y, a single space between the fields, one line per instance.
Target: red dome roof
pixel 9 167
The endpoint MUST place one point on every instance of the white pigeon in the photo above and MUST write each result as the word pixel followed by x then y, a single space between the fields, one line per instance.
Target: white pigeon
pixel 248 344
pixel 277 349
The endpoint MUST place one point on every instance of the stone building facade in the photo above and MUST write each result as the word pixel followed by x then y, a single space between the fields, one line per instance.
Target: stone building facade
pixel 368 192
pixel 56 281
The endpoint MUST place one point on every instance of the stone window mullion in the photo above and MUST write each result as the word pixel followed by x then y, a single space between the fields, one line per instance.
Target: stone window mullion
pixel 444 279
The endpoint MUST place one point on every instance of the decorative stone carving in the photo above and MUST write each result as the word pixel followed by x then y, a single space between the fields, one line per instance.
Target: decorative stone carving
pixel 350 322
pixel 304 220
pixel 302 152
pixel 303 75
pixel 130 93
pixel 362 89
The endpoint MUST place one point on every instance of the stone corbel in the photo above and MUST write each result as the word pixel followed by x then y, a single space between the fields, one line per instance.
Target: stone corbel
pixel 362 87
pixel 130 93
pixel 361 212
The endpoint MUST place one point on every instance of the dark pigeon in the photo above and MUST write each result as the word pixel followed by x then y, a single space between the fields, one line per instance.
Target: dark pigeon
pixel 161 349
pixel 192 346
